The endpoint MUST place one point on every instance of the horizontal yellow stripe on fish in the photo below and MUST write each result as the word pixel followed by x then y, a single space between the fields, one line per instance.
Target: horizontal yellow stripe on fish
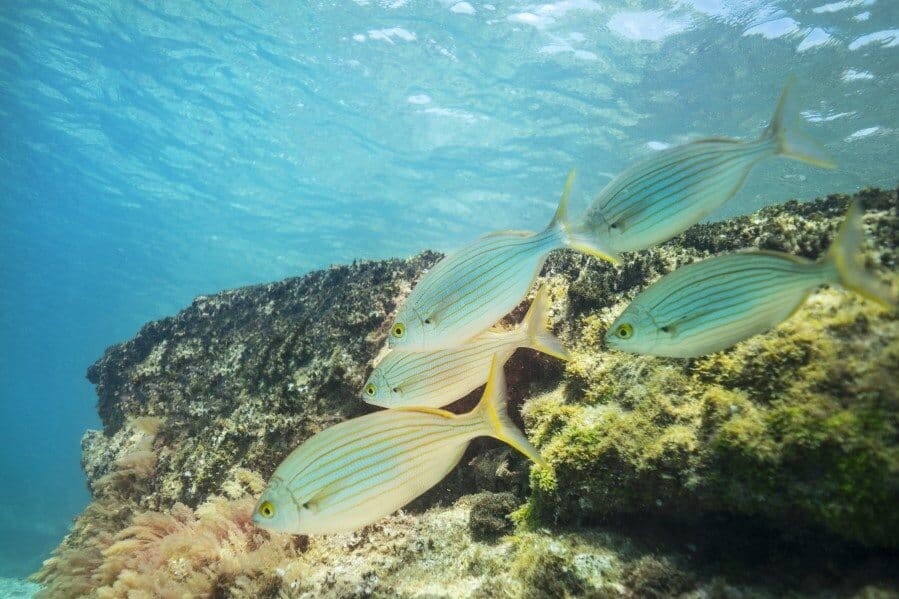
pixel 360 470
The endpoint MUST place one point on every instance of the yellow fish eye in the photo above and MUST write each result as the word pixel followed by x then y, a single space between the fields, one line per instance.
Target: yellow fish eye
pixel 399 329
pixel 625 331
pixel 267 509
pixel 369 389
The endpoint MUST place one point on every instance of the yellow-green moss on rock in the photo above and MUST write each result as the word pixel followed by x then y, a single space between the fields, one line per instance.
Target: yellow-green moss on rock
pixel 798 425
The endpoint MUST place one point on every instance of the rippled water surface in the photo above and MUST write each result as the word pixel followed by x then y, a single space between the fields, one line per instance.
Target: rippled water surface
pixel 153 151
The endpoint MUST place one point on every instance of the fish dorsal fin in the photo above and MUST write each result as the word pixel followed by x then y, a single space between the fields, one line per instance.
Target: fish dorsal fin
pixel 560 218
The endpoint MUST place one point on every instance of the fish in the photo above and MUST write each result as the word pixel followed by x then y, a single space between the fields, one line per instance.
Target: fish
pixel 660 197
pixel 434 379
pixel 353 473
pixel 469 291
pixel 713 304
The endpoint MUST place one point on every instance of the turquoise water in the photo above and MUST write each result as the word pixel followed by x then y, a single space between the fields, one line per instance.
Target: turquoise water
pixel 154 151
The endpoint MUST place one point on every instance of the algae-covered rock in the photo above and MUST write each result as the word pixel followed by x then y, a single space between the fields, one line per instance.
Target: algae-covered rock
pixel 490 513
pixel 794 433
pixel 243 376
pixel 798 425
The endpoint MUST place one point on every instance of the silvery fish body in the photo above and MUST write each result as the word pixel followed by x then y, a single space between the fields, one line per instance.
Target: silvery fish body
pixel 658 198
pixel 469 291
pixel 360 470
pixel 710 305
pixel 437 378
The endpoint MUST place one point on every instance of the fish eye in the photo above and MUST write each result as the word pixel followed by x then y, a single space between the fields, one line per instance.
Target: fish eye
pixel 396 389
pixel 625 331
pixel 399 329
pixel 370 389
pixel 267 509
pixel 427 321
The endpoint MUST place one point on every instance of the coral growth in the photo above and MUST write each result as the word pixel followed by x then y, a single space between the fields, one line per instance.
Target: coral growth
pixel 213 550
pixel 709 471
pixel 117 549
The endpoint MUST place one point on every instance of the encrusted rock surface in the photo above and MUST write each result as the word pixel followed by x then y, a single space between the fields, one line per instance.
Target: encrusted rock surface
pixel 794 433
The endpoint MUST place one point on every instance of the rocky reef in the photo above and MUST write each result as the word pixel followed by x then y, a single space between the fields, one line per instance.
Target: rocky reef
pixel 766 469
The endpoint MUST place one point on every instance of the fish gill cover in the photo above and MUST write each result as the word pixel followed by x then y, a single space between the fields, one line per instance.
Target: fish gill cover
pixel 153 151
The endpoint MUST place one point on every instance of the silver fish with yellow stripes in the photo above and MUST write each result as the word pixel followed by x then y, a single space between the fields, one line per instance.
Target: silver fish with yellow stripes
pixel 710 305
pixel 469 291
pixel 434 379
pixel 658 198
pixel 358 471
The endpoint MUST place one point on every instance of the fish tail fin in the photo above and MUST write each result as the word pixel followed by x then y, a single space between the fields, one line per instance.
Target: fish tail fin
pixel 536 332
pixel 844 256
pixel 492 411
pixel 789 141
pixel 572 236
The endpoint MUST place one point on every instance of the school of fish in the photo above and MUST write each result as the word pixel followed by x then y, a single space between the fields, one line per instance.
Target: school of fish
pixel 442 344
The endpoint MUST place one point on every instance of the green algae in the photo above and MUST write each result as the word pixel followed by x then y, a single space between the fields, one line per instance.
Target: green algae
pixel 791 425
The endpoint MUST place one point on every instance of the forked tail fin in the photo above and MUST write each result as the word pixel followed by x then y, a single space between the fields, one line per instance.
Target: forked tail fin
pixel 571 236
pixel 790 142
pixel 492 410
pixel 844 254
pixel 535 331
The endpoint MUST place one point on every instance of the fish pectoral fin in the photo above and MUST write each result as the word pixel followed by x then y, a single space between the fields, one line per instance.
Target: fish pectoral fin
pixel 437 314
pixel 311 503
pixel 670 329
pixel 673 328
pixel 618 225
pixel 624 220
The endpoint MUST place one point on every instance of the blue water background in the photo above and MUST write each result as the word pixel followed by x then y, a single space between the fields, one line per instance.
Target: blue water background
pixel 154 151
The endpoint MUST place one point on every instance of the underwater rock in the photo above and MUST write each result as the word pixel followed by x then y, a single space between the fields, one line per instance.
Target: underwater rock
pixel 793 431
pixel 489 515
pixel 797 425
